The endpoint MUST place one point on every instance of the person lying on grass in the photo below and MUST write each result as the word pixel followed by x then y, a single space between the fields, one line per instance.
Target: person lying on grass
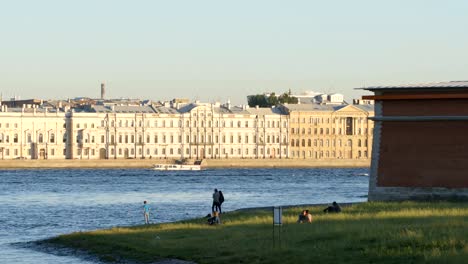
pixel 305 217
pixel 214 219
pixel 335 208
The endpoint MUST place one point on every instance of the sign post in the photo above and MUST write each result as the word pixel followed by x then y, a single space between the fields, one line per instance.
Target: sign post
pixel 277 222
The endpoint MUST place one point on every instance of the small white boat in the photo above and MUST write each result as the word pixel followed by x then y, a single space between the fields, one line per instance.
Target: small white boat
pixel 175 167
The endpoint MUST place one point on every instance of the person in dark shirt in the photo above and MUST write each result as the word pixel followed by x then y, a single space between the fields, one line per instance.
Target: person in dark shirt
pixel 215 206
pixel 334 208
pixel 221 200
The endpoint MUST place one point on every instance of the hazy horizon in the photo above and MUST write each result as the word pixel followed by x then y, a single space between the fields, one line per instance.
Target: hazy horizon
pixel 218 50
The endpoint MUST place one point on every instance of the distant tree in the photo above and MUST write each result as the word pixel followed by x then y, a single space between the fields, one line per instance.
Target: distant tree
pixel 272 99
pixel 258 99
pixel 268 101
pixel 286 98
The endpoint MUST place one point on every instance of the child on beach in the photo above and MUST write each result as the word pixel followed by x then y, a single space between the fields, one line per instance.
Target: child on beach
pixel 146 212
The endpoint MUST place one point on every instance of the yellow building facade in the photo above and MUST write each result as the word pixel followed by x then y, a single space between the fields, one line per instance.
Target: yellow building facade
pixel 330 131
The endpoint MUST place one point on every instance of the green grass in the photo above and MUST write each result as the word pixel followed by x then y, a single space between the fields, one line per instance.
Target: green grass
pixel 409 232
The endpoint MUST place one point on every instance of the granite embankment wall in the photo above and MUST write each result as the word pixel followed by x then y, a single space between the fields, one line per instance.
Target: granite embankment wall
pixel 286 163
pixel 148 163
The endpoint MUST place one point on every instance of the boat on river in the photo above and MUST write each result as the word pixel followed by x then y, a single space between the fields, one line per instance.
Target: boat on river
pixel 176 167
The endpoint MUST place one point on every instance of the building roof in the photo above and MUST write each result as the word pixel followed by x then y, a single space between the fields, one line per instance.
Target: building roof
pixel 365 107
pixel 32 110
pixel 266 111
pixel 314 107
pixel 165 110
pixel 121 109
pixel 437 85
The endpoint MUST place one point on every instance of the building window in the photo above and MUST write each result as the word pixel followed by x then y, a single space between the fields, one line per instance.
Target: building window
pixel 52 138
pixel 349 126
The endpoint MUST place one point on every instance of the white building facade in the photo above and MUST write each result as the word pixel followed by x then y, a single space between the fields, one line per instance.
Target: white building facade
pixel 193 131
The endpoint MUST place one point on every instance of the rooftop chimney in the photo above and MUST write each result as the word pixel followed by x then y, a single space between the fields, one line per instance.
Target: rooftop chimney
pixel 103 90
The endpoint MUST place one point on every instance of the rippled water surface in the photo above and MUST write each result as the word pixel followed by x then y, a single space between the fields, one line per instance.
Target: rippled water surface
pixel 36 204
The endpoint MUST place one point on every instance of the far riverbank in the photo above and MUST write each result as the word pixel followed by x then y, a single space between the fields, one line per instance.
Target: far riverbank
pixel 207 163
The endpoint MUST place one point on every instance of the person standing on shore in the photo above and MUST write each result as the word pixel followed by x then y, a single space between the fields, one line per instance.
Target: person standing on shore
pixel 221 200
pixel 146 212
pixel 215 206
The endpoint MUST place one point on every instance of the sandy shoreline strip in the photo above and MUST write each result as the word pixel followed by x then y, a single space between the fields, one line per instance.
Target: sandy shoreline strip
pixel 207 163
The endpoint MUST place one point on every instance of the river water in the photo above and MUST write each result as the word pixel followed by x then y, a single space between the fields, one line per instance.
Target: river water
pixel 37 204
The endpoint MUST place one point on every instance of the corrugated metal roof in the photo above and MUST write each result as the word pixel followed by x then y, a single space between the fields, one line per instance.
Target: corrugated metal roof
pixel 266 111
pixel 122 109
pixel 328 108
pixel 31 110
pixel 165 110
pixel 451 84
pixel 365 107
pixel 313 107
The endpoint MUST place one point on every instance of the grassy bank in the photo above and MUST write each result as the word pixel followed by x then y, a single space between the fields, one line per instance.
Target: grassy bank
pixel 407 232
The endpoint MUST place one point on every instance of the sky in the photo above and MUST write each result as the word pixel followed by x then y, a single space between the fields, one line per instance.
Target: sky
pixel 219 50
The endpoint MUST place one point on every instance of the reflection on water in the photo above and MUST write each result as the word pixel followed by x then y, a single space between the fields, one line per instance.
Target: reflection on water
pixel 36 204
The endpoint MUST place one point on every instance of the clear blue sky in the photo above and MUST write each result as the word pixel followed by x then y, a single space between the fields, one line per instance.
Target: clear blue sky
pixel 215 50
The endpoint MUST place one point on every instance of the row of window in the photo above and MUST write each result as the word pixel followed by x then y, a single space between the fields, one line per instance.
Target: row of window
pixel 319 142
pixel 172 151
pixel 5 138
pixel 171 139
pixel 15 152
pixel 326 131
pixel 324 120
pixel 7 125
pixel 328 154
pixel 194 123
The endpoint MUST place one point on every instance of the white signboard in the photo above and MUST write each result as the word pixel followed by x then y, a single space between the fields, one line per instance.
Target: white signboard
pixel 277 215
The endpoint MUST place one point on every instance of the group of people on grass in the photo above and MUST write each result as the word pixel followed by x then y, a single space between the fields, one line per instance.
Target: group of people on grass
pixel 306 217
pixel 214 218
pixel 218 198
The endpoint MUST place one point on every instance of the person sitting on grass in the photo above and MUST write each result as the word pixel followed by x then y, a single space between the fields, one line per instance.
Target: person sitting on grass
pixel 305 217
pixel 214 219
pixel 335 208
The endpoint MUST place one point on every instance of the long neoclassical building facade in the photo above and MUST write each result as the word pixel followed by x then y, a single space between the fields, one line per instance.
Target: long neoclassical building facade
pixel 176 131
